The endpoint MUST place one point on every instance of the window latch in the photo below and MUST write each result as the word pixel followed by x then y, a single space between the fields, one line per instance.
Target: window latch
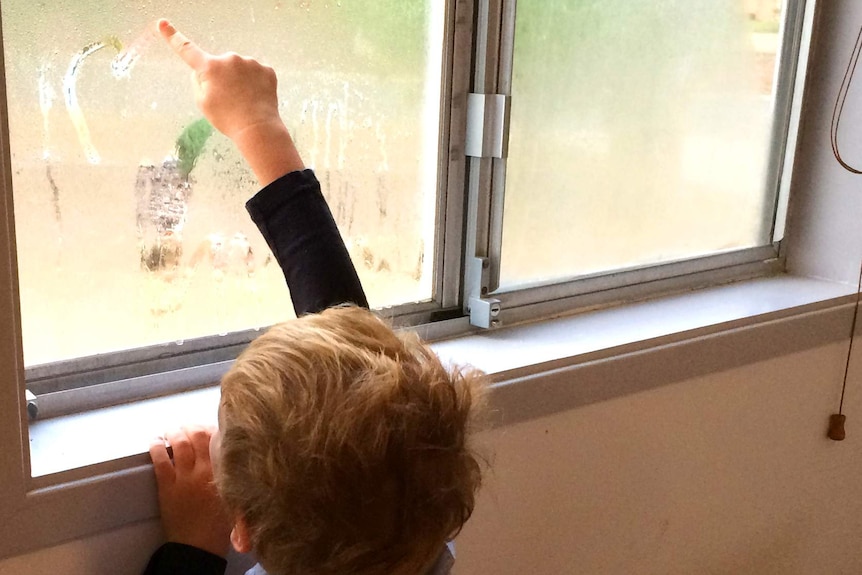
pixel 487 125
pixel 484 311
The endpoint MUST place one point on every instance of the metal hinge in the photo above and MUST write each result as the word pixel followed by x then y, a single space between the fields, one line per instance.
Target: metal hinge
pixel 487 125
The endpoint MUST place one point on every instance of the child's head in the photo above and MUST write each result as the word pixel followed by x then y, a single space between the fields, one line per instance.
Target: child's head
pixel 344 447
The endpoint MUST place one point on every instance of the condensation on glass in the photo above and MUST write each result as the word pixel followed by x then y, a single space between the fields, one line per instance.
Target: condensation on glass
pixel 126 239
pixel 640 134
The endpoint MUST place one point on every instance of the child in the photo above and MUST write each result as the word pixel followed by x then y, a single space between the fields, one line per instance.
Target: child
pixel 343 447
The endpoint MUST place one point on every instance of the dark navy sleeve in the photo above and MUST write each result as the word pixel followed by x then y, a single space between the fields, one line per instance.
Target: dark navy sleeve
pixel 180 559
pixel 296 223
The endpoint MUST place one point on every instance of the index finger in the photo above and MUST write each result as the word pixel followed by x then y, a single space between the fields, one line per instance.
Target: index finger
pixel 190 52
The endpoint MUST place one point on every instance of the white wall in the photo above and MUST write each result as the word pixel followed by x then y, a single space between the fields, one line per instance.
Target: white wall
pixel 727 473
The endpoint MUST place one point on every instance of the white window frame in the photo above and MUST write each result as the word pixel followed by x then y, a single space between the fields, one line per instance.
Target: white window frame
pixel 71 505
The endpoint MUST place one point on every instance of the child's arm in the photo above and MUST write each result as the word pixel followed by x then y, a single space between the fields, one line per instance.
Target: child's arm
pixel 298 226
pixel 238 96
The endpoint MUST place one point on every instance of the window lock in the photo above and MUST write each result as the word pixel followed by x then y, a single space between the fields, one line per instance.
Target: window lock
pixel 485 312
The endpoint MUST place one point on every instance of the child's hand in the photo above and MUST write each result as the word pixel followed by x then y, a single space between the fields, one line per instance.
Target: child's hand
pixel 238 96
pixel 233 92
pixel 191 510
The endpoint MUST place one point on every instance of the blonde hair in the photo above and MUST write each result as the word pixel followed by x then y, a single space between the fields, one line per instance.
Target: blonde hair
pixel 345 446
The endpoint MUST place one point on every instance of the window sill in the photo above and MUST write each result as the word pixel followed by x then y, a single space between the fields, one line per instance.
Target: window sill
pixel 96 475
pixel 113 439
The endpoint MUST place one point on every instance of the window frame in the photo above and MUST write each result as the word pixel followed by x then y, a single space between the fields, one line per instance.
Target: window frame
pixel 107 379
pixel 36 504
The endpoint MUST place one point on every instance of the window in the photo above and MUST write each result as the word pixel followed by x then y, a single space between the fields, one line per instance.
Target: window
pixel 643 137
pixel 477 55
pixel 129 239
pixel 485 161
pixel 639 142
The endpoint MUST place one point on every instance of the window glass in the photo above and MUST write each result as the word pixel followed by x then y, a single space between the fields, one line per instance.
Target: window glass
pixel 127 239
pixel 640 133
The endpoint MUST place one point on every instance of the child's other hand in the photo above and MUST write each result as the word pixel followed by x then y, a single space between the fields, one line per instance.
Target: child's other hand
pixel 192 512
pixel 233 92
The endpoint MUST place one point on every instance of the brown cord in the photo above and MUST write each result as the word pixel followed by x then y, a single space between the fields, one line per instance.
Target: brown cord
pixel 836 421
pixel 852 339
pixel 839 103
pixel 836 430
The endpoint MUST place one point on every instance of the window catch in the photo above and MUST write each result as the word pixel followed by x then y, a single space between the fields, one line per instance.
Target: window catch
pixel 484 311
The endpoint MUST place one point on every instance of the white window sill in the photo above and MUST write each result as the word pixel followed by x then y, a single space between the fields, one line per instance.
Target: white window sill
pixel 512 356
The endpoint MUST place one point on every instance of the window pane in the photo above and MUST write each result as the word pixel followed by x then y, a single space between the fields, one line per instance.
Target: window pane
pixel 118 248
pixel 640 133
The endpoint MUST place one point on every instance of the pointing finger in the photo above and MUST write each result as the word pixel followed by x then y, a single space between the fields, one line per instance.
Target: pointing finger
pixel 190 52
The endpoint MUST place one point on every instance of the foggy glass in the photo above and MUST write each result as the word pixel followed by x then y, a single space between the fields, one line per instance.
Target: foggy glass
pixel 117 249
pixel 640 133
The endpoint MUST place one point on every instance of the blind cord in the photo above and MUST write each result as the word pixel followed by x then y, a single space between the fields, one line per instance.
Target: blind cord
pixel 836 420
pixel 836 430
pixel 839 104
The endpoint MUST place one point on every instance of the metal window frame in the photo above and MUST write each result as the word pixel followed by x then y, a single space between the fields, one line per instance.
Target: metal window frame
pixel 486 194
pixel 795 47
pixel 790 37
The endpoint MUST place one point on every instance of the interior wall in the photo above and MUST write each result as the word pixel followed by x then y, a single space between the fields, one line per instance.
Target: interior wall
pixel 724 474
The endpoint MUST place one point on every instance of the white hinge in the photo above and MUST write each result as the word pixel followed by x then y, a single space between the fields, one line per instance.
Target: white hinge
pixel 487 125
